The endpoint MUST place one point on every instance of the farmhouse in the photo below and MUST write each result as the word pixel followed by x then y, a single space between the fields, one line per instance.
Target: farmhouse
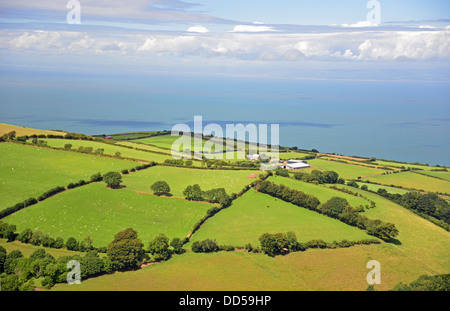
pixel 253 157
pixel 294 164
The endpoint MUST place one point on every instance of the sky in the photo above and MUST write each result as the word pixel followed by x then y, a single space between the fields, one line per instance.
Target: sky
pixel 402 39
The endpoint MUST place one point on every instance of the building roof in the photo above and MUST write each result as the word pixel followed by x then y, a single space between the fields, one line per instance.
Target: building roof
pixel 297 165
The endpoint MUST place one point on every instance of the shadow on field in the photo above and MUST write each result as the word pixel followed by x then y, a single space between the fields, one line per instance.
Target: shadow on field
pixel 394 241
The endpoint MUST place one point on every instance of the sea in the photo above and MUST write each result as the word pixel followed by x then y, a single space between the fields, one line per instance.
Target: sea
pixel 396 120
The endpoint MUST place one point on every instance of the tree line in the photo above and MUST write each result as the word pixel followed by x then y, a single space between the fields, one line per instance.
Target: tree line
pixel 429 205
pixel 279 243
pixel 336 207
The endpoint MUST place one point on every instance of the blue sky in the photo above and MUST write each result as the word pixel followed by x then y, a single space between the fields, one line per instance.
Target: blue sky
pixel 325 39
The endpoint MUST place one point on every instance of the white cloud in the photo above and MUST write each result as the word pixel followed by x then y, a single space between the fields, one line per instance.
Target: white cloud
pixel 253 28
pixel 427 27
pixel 349 45
pixel 360 24
pixel 198 29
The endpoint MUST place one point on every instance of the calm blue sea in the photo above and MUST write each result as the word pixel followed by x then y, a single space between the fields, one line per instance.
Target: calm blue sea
pixel 398 120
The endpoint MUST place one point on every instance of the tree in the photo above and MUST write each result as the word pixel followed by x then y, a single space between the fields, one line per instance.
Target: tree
pixel 159 248
pixel 112 180
pixel 10 257
pixel 68 146
pixel 125 250
pixel 273 244
pixel 193 193
pixel 177 245
pixel 161 188
pixel 72 244
pixel 91 264
pixel 25 236
pixel 352 183
pixel 96 177
pixel 2 258
pixel 10 283
pixel 334 206
pixel 330 177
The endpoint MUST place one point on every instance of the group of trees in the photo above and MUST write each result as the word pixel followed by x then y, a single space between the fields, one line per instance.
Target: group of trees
pixel 37 238
pixel 21 273
pixel 319 177
pixel 125 252
pixel 440 282
pixel 279 243
pixel 274 244
pixel 293 196
pixel 429 204
pixel 218 195
pixel 335 207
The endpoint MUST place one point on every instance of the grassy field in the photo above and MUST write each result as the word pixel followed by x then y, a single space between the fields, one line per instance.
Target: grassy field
pixel 374 187
pixel 28 249
pixel 405 165
pixel 179 178
pixel 418 238
pixel 143 146
pixel 412 180
pixel 346 171
pixel 322 192
pixel 443 175
pixel 25 131
pixel 98 212
pixel 109 149
pixel 330 269
pixel 255 213
pixel 29 171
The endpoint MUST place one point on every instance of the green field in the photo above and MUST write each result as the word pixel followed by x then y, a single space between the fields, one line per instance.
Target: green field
pixel 420 239
pixel 28 171
pixel 28 249
pixel 322 192
pixel 100 213
pixel 412 180
pixel 423 248
pixel 318 270
pixel 143 146
pixel 346 171
pixel 374 187
pixel 405 165
pixel 179 178
pixel 109 149
pixel 442 175
pixel 255 213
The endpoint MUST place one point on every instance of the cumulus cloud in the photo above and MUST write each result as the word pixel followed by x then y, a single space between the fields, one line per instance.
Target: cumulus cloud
pixel 198 29
pixel 253 28
pixel 351 45
pixel 360 24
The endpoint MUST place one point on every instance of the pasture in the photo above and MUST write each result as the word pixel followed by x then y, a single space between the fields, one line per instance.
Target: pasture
pixel 109 149
pixel 255 213
pixel 28 249
pixel 442 175
pixel 420 239
pixel 96 211
pixel 413 181
pixel 346 171
pixel 341 269
pixel 29 171
pixel 25 131
pixel 179 178
pixel 322 192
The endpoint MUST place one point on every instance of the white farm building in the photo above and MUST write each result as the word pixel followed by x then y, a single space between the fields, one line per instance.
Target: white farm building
pixel 294 164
